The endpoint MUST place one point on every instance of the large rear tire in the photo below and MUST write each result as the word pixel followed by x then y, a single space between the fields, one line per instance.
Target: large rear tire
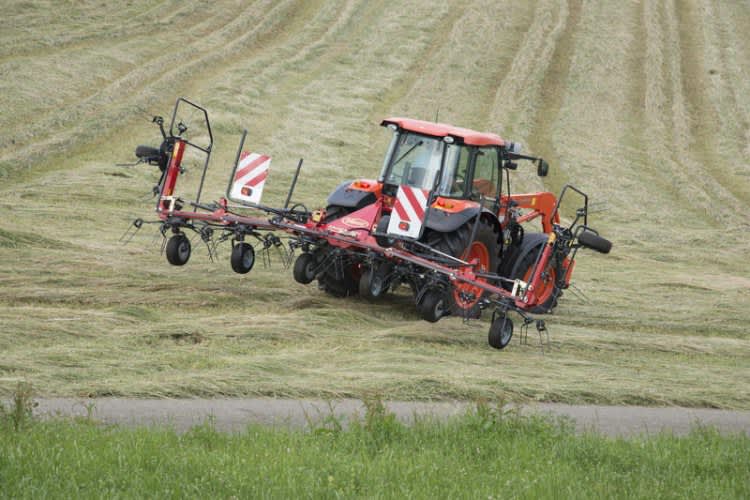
pixel 485 248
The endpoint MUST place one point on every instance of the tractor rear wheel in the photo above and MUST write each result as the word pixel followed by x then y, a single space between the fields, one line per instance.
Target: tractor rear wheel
pixel 485 249
pixel 548 291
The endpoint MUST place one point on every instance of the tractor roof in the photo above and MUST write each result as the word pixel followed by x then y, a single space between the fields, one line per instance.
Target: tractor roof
pixel 470 137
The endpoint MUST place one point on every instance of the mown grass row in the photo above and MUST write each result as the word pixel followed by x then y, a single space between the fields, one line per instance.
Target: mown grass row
pixel 602 91
pixel 486 453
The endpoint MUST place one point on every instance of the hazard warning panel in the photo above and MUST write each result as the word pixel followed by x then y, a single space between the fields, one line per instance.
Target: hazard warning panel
pixel 249 178
pixel 408 212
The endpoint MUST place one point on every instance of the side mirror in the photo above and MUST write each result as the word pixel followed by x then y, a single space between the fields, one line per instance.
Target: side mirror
pixel 542 168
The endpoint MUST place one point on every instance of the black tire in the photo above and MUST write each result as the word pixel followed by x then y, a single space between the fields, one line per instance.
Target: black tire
pixel 591 240
pixel 525 258
pixel 243 258
pixel 501 331
pixel 382 229
pixel 433 306
pixel 304 269
pixel 147 152
pixel 506 266
pixel 456 243
pixel 178 250
pixel 373 284
pixel 337 286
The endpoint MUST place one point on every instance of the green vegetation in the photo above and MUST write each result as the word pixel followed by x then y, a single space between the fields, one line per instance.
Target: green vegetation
pixel 644 105
pixel 484 454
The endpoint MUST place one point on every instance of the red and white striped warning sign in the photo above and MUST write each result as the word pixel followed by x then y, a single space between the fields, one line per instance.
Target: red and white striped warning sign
pixel 408 212
pixel 249 178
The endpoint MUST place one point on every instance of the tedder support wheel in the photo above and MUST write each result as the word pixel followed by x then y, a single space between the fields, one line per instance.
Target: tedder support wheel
pixel 526 255
pixel 501 331
pixel 243 258
pixel 373 284
pixel 304 268
pixel 432 307
pixel 178 250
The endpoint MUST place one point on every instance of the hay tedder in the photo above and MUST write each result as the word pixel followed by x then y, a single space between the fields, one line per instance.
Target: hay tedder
pixel 440 219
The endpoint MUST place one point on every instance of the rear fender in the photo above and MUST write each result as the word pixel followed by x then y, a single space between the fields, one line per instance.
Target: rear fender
pixel 356 194
pixel 447 215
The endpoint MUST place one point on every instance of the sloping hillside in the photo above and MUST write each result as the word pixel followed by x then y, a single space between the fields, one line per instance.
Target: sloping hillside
pixel 645 105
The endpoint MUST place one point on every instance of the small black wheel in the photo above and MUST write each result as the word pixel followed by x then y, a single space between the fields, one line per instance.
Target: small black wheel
pixel 591 240
pixel 372 284
pixel 432 307
pixel 501 331
pixel 382 229
pixel 243 258
pixel 178 250
pixel 304 268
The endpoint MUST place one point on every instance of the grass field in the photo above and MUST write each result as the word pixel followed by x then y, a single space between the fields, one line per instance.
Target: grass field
pixel 644 105
pixel 485 453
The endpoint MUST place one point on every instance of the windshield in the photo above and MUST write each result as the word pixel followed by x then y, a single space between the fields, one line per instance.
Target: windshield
pixel 414 160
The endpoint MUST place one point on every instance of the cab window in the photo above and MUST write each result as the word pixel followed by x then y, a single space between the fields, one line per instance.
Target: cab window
pixel 486 174
pixel 453 182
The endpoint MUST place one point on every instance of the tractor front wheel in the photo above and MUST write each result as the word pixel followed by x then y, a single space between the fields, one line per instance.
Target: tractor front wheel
pixel 548 290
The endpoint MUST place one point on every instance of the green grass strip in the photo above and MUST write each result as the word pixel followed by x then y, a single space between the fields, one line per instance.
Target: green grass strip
pixel 484 454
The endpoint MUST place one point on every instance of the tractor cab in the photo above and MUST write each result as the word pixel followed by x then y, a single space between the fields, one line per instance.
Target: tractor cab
pixel 454 162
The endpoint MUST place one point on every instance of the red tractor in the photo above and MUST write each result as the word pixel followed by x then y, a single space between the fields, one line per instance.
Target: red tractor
pixel 469 216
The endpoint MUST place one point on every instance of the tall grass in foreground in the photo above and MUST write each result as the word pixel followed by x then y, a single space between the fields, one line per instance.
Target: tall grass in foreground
pixel 484 454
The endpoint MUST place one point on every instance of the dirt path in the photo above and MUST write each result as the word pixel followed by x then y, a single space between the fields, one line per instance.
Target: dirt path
pixel 234 414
